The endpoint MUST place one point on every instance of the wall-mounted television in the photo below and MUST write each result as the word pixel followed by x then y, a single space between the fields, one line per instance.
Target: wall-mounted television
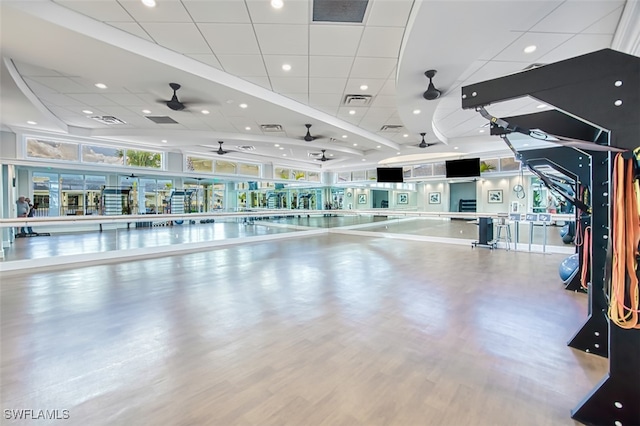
pixel 390 174
pixel 467 167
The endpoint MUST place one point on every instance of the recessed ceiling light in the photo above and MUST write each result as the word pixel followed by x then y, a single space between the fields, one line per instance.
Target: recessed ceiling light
pixel 398 152
pixel 247 128
pixel 416 111
pixel 406 135
pixel 284 155
pixel 286 67
pixel 526 144
pixel 149 3
pixel 364 87
pixel 330 155
pixel 277 145
pixel 243 105
pixel 146 111
pixel 481 130
pixel 353 111
pixel 541 106
pixel 31 122
pixel 355 144
pixel 164 141
pixel 378 146
pixel 364 159
pixel 344 136
pixel 205 112
pixel 530 49
pixel 277 4
pixel 455 147
pixel 101 85
pixel 86 111
pixel 281 148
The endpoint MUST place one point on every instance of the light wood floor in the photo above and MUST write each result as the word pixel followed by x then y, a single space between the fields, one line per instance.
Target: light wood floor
pixel 331 330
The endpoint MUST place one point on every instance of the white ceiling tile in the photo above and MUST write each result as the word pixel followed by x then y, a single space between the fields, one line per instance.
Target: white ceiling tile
pixel 381 42
pixel 383 101
pixel 334 40
pixel 38 88
pixel 179 37
pixel 61 84
pixel 120 111
pixel 494 69
pixel 230 39
pixel 290 84
pixel 100 10
pixel 166 11
pixel 389 88
pixel 300 97
pixel 328 109
pixel 276 39
pixel 132 28
pixel 372 67
pixel 61 100
pixel 125 99
pixel 330 66
pixel 299 66
pixel 28 70
pixel 578 45
pixel 327 85
pixel 385 13
pixel 606 25
pixel 374 86
pixel 545 43
pixel 243 65
pixel 208 59
pixel 230 11
pixel 494 49
pixel 260 81
pixel 562 20
pixel 328 99
pixel 294 12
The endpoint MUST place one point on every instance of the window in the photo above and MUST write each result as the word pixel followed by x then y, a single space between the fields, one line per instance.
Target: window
pixel 100 154
pixel 249 169
pixel 145 159
pixel 37 148
pixel 196 164
pixel 226 167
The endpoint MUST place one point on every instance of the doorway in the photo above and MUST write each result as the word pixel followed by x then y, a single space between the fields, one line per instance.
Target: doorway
pixel 380 199
pixel 462 197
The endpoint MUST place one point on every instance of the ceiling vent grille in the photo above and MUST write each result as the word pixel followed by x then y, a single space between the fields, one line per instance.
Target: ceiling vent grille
pixel 339 10
pixel 315 154
pixel 162 119
pixel 532 66
pixel 107 119
pixel 391 128
pixel 245 148
pixel 271 128
pixel 357 100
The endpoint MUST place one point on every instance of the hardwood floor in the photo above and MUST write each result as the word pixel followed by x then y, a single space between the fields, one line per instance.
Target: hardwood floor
pixel 330 330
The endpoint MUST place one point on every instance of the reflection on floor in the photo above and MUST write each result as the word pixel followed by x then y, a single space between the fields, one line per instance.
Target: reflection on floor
pixel 123 239
pixel 332 330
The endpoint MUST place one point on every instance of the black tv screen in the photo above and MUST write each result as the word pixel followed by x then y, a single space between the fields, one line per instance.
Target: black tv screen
pixel 390 174
pixel 468 167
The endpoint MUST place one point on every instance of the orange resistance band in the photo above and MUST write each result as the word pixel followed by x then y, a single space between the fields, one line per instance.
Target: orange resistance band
pixel 586 257
pixel 626 237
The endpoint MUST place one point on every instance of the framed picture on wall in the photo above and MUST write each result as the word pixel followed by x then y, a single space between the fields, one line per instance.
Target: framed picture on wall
pixel 494 196
pixel 434 198
pixel 403 198
pixel 362 198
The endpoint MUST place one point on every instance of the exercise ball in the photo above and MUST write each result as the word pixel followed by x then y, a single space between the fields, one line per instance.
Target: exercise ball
pixel 568 238
pixel 179 222
pixel 569 267
pixel 564 230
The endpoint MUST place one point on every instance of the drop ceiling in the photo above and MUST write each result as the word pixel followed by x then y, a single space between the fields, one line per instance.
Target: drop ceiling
pixel 226 53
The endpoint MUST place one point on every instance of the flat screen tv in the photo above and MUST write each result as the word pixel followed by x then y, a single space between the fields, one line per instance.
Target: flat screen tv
pixel 390 174
pixel 468 167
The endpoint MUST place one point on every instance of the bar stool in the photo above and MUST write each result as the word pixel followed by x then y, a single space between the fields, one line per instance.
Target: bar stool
pixel 500 226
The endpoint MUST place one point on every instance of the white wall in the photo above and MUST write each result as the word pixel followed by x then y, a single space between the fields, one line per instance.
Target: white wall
pixel 431 187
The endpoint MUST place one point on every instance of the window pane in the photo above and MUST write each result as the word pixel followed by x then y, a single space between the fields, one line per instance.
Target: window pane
pixel 423 170
pixel 249 169
pixel 143 159
pixel 359 175
pixel 53 150
pixel 406 172
pixel 439 169
pixel 225 167
pixel 372 174
pixel 344 176
pixel 99 154
pixel 313 176
pixel 509 164
pixel 299 174
pixel 196 164
pixel 281 173
pixel 489 166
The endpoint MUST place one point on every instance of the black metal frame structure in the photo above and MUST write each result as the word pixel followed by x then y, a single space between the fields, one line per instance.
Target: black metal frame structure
pixel 601 89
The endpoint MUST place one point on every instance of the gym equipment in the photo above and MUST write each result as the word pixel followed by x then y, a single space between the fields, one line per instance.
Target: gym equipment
pixel 568 232
pixel 596 97
pixel 569 268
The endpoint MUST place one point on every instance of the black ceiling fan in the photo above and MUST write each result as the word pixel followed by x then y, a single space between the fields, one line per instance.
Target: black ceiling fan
pixel 424 144
pixel 132 176
pixel 308 137
pixel 221 151
pixel 174 103
pixel 324 157
pixel 431 93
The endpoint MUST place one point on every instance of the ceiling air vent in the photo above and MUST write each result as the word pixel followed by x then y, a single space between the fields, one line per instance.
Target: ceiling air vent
pixel 315 154
pixel 108 119
pixel 245 148
pixel 391 128
pixel 532 66
pixel 357 100
pixel 339 10
pixel 162 119
pixel 271 128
